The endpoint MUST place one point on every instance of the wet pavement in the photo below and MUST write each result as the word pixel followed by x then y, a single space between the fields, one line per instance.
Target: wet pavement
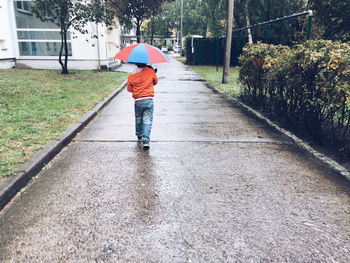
pixel 216 186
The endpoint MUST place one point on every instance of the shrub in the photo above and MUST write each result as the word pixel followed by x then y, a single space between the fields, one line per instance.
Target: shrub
pixel 255 62
pixel 306 86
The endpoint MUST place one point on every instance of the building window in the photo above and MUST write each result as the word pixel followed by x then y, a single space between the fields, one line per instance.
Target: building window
pixel 23 6
pixel 40 34
pixel 23 20
pixel 3 45
pixel 41 49
pixel 35 37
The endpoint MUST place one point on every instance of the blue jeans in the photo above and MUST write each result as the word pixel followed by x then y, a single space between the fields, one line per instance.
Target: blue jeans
pixel 144 118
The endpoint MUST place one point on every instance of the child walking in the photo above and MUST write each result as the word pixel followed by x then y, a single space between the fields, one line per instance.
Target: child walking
pixel 140 84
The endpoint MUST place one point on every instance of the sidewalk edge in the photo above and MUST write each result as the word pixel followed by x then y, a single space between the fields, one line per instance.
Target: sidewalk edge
pixel 12 184
pixel 301 144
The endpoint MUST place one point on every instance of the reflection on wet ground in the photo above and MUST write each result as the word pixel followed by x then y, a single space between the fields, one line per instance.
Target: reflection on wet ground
pixel 216 186
pixel 146 192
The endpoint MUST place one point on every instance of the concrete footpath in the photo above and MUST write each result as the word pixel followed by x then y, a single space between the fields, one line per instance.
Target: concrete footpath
pixel 216 186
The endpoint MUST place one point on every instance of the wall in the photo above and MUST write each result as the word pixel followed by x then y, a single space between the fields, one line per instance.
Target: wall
pixel 37 44
pixel 7 52
pixel 113 44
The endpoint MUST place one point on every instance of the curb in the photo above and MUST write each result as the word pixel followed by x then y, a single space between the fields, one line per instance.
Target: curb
pixel 12 184
pixel 322 159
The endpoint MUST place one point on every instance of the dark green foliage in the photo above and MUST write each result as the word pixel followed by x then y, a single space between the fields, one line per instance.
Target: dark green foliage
pixel 198 17
pixel 305 87
pixel 284 32
pixel 161 25
pixel 135 12
pixel 332 18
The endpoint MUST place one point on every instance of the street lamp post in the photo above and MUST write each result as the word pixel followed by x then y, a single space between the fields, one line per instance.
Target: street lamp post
pixel 182 10
pixel 227 56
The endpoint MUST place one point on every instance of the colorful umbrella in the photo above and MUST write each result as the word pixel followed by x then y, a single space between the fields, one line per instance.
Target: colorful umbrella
pixel 142 53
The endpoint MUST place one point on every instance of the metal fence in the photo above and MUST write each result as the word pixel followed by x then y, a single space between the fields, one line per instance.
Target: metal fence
pixel 210 51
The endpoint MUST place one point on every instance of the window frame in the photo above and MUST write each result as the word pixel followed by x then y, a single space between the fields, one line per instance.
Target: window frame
pixel 20 41
pixel 22 9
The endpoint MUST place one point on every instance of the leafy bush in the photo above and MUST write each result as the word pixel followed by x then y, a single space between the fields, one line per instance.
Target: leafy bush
pixel 256 62
pixel 306 86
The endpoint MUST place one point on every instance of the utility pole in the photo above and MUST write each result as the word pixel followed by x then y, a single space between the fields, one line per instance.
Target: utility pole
pixel 182 10
pixel 227 56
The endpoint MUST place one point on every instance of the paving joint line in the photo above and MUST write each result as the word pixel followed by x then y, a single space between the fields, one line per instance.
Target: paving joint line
pixel 189 141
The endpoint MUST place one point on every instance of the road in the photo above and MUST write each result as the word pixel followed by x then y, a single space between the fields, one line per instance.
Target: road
pixel 216 186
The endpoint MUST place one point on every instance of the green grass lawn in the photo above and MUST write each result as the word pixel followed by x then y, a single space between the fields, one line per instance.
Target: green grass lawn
pixel 215 78
pixel 181 59
pixel 38 105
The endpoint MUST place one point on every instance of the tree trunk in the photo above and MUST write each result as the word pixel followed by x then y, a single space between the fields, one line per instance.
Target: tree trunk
pixel 65 53
pixel 64 10
pixel 227 56
pixel 152 31
pixel 63 65
pixel 138 30
pixel 250 37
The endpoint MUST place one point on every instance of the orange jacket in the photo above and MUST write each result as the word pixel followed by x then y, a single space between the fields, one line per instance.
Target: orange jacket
pixel 141 83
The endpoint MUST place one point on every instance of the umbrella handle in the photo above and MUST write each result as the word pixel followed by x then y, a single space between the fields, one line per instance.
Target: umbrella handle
pixel 155 70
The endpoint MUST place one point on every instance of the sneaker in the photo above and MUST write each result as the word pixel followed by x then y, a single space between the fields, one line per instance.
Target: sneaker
pixel 146 146
pixel 139 138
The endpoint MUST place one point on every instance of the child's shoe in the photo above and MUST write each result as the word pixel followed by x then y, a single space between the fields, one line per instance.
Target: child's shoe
pixel 146 146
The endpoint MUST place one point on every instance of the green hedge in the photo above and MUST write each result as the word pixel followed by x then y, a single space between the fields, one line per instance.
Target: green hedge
pixel 305 86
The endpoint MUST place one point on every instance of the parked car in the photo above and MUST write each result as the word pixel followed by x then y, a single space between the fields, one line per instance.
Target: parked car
pixel 164 49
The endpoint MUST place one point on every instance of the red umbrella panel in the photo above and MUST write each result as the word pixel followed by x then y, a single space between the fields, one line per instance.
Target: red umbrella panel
pixel 142 53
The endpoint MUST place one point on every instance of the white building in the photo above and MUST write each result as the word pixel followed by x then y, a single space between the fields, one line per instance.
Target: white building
pixel 26 41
